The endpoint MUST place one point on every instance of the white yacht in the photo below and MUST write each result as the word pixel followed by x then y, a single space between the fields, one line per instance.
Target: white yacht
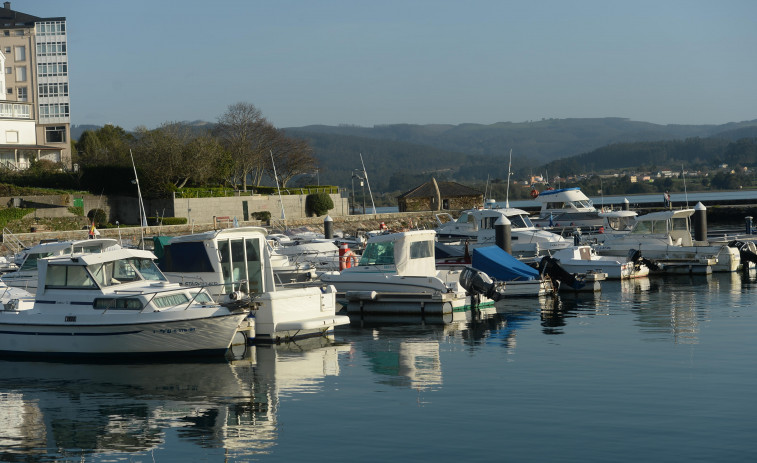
pixel 666 237
pixel 113 303
pixel 235 263
pixel 566 208
pixel 477 227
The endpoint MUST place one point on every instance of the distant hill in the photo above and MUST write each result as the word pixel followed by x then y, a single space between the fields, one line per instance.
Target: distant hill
pixel 400 156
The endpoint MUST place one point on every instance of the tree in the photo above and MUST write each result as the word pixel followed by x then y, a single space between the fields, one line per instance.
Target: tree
pixel 239 131
pixel 293 157
pixel 173 155
pixel 108 145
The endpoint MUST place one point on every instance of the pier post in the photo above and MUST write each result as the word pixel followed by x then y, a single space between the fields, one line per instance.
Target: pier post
pixel 626 204
pixel 502 231
pixel 328 227
pixel 700 222
pixel 748 220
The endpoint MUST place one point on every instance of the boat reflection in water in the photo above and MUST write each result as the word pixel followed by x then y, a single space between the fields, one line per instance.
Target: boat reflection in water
pixel 74 410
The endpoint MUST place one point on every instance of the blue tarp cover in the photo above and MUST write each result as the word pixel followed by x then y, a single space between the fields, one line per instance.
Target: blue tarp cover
pixel 501 266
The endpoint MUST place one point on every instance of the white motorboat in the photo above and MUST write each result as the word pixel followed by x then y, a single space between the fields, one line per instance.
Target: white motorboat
pixel 26 275
pixel 477 227
pixel 110 304
pixel 584 260
pixel 309 248
pixel 666 237
pixel 235 263
pixel 397 274
pixel 566 208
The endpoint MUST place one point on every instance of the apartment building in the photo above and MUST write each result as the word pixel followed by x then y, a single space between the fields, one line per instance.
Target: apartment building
pixel 35 118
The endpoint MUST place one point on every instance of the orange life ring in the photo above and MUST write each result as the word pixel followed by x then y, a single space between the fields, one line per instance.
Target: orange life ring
pixel 348 260
pixel 534 194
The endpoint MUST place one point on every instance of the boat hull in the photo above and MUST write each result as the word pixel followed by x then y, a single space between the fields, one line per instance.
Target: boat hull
pixel 96 335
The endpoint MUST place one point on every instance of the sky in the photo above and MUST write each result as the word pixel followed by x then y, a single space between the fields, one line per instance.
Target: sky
pixel 143 63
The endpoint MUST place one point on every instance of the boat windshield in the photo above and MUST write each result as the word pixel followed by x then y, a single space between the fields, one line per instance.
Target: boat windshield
pixel 464 218
pixel 30 263
pixel 124 271
pixel 646 227
pixel 520 221
pixel 378 254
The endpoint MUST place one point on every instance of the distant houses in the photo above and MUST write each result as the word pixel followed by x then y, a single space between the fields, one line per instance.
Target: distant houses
pixel 435 196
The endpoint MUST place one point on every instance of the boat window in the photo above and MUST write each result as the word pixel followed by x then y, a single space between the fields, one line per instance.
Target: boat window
pixel 186 257
pixel 128 303
pixel 378 254
pixel 519 221
pixel 254 267
pixel 225 256
pixel 170 300
pixel 488 222
pixel 680 224
pixel 31 261
pixel 103 273
pixel 643 227
pixel 660 227
pixel 68 277
pixel 464 218
pixel 238 262
pixel 421 249
pixel 555 205
pixel 147 268
pixel 203 298
pixel 87 249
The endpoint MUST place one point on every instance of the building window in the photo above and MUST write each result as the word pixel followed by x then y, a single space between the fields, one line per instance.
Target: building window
pixel 7 33
pixel 22 94
pixel 7 50
pixel 20 53
pixel 9 91
pixel 51 28
pixel 51 49
pixel 9 70
pixel 52 69
pixel 20 73
pixel 53 90
pixel 20 32
pixel 53 110
pixel 55 134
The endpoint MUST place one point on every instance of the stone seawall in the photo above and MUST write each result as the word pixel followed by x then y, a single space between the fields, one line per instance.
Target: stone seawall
pixel 132 235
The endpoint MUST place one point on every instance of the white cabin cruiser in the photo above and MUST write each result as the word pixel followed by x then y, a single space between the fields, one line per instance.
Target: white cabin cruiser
pixel 235 262
pixel 477 227
pixel 111 304
pixel 566 208
pixel 397 274
pixel 26 275
pixel 584 259
pixel 666 237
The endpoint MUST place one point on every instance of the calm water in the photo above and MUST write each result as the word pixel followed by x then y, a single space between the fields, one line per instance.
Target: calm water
pixel 661 370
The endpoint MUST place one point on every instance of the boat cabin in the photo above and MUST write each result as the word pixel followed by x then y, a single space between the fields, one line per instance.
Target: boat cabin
pixel 407 253
pixel 229 260
pixel 564 200
pixel 671 224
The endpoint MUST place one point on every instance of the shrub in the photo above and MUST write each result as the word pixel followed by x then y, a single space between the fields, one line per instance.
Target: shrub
pixel 174 220
pixel 318 204
pixel 263 216
pixel 98 216
pixel 13 213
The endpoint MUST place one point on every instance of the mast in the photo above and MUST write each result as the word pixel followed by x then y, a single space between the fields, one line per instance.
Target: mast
pixel 509 167
pixel 142 214
pixel 281 202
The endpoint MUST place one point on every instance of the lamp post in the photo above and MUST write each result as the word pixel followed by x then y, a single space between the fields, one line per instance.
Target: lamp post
pixel 362 184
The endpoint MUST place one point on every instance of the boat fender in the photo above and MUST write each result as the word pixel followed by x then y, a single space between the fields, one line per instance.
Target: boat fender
pixel 236 295
pixel 534 194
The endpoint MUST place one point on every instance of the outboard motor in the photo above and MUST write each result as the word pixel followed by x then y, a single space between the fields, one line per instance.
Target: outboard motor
pixel 552 268
pixel 477 282
pixel 745 251
pixel 634 255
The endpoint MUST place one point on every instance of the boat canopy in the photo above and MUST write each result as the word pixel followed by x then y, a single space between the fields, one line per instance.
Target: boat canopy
pixel 411 252
pixel 500 265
